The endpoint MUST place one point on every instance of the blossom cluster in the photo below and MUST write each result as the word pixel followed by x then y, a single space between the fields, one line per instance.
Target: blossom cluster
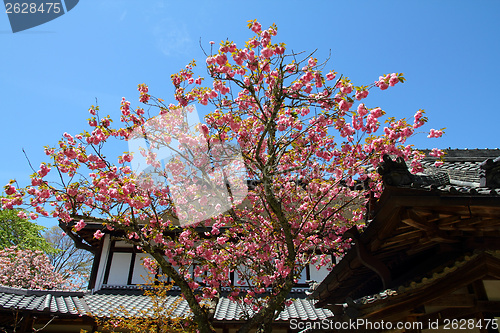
pixel 27 269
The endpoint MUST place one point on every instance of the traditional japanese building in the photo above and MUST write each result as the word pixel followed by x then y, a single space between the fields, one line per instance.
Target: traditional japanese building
pixel 430 254
pixel 118 264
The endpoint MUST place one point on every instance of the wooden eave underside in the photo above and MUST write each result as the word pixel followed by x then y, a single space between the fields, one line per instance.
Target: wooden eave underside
pixel 439 293
pixel 408 223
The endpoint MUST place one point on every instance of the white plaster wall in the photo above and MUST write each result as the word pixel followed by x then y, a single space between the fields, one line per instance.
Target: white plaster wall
pixel 118 272
pixel 123 244
pixel 318 275
pixel 102 262
pixel 139 270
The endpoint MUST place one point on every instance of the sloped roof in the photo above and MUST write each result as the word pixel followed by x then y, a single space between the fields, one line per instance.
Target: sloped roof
pixel 456 205
pixel 462 166
pixel 443 272
pixel 300 309
pixel 393 305
pixel 132 304
pixel 175 305
pixel 43 301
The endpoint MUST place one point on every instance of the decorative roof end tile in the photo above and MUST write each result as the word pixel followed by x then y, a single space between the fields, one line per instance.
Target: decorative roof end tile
pixel 395 173
pixel 490 173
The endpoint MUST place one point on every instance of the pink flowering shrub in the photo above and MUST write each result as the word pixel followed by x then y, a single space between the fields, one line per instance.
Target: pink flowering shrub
pixel 27 269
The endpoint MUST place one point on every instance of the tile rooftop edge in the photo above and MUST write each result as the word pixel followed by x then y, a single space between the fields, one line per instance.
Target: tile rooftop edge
pixel 410 286
pixel 40 292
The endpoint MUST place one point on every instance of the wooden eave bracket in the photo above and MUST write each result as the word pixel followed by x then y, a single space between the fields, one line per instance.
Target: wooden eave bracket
pixel 369 260
pixel 79 244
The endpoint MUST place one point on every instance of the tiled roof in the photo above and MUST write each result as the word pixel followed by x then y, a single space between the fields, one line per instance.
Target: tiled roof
pixel 304 309
pixel 104 305
pixel 459 171
pixel 301 309
pixel 418 283
pixel 54 302
pixel 413 287
pixel 134 305
pixel 462 166
pixel 176 306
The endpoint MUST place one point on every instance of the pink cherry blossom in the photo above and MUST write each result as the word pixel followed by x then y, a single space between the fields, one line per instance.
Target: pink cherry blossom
pixel 382 85
pixel 10 190
pixel 361 94
pixel 436 152
pixel 393 80
pixel 267 52
pixel 22 215
pixel 80 225
pixel 435 133
pixel 256 27
pixel 98 234
pixel 330 76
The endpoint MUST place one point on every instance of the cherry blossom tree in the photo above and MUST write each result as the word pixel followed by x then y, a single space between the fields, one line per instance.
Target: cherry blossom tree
pixel 30 269
pixel 309 145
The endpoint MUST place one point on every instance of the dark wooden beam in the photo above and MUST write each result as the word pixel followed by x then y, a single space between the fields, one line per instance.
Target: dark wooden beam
pixel 454 301
pixel 374 264
pixel 131 269
pixel 482 243
pixel 412 218
pixel 79 241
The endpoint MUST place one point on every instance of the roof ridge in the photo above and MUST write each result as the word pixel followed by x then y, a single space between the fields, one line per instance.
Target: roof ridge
pixel 41 292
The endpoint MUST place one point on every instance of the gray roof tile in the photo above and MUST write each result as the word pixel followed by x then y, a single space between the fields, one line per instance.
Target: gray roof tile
pixel 103 305
pixel 461 165
pixel 227 310
pixel 57 302
pixel 462 172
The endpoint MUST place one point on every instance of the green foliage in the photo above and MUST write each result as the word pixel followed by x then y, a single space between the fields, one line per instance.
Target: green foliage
pixel 15 230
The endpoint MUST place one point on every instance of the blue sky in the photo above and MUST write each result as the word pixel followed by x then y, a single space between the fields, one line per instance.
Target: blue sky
pixel 51 74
